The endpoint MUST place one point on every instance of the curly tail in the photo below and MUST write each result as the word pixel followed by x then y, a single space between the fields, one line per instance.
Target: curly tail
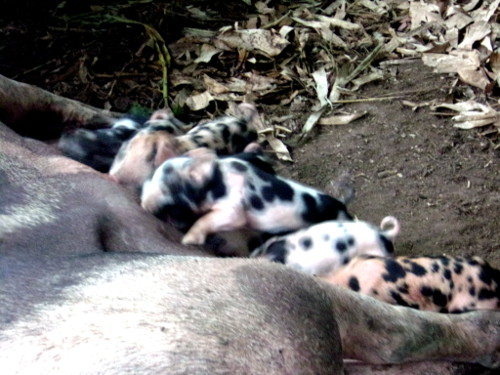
pixel 390 227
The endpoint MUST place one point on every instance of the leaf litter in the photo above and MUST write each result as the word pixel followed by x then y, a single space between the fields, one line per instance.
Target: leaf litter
pixel 321 55
pixel 313 57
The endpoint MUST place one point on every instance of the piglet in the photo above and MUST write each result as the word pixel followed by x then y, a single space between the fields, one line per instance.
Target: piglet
pixel 323 248
pixel 444 284
pixel 138 158
pixel 97 148
pixel 203 194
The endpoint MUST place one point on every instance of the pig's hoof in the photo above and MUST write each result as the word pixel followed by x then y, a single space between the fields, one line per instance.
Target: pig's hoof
pixel 193 239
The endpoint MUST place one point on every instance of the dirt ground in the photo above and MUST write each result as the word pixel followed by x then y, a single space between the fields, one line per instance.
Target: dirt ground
pixel 442 183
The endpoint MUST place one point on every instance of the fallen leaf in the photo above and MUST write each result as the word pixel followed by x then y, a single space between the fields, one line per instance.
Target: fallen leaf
pixel 341 119
pixel 367 78
pixel 335 22
pixel 457 19
pixel 256 40
pixel 199 101
pixel 321 79
pixel 472 114
pixel 452 62
pixel 279 148
pixel 486 11
pixel 475 32
pixel 495 66
pixel 474 77
pixel 422 13
pixel 206 53
pixel 311 122
pixel 214 87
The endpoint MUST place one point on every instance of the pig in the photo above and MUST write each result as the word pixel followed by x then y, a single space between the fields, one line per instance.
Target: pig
pixel 164 120
pixel 323 248
pixel 443 284
pixel 139 157
pixel 52 204
pixel 116 313
pixel 203 194
pixel 98 148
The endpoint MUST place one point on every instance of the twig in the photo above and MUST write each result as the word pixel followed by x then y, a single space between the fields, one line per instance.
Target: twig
pixel 345 101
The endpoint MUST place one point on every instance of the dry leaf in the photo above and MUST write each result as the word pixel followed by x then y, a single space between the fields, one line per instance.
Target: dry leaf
pixel 279 148
pixel 206 53
pixel 367 78
pixel 256 40
pixel 495 66
pixel 474 77
pixel 472 114
pixel 457 19
pixel 200 101
pixel 214 87
pixel 475 32
pixel 259 84
pixel 422 13
pixel 311 121
pixel 321 79
pixel 276 145
pixel 452 62
pixel 335 22
pixel 486 11
pixel 341 119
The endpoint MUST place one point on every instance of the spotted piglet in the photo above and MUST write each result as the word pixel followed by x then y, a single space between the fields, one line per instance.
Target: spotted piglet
pixel 138 158
pixel 97 148
pixel 204 194
pixel 441 284
pixel 323 248
pixel 164 120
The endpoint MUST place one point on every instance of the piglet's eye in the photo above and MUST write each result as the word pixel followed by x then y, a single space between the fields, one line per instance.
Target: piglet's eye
pixel 167 169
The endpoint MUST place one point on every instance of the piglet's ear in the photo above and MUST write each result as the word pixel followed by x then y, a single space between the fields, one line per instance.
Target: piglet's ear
pixel 201 168
pixel 166 149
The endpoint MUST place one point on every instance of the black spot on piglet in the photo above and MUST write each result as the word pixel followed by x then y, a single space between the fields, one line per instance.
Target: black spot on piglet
pixel 417 269
pixel 394 271
pixel 438 298
pixel 340 246
pixel 388 245
pixel 306 243
pixel 354 283
pixel 239 166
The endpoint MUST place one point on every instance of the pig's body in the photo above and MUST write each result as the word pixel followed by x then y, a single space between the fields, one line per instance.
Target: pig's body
pixel 154 314
pixel 205 194
pixel 323 248
pixel 441 283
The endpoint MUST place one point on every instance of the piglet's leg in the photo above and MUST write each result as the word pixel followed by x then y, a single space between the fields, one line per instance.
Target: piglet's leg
pixel 220 219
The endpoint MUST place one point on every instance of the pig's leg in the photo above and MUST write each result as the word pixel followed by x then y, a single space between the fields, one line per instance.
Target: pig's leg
pixel 220 219
pixel 377 332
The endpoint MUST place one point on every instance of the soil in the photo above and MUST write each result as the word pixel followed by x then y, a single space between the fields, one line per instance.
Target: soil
pixel 442 183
